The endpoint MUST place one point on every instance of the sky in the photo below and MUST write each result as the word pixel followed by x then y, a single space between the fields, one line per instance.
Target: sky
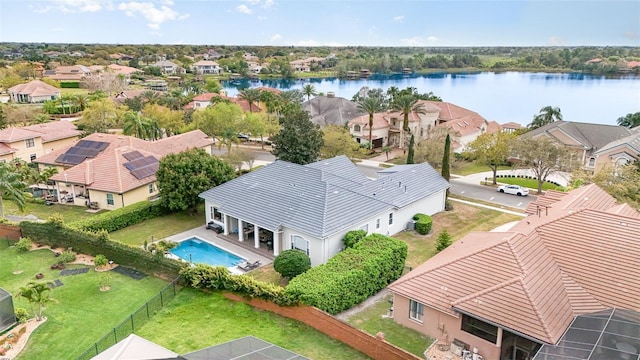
pixel 324 23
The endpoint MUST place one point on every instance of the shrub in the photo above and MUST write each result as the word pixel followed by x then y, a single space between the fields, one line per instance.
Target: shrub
pixel 423 223
pixel 21 315
pixel 100 260
pixel 352 237
pixel 70 85
pixel 66 256
pixel 24 244
pixel 352 275
pixel 291 263
pixel 443 241
pixel 111 221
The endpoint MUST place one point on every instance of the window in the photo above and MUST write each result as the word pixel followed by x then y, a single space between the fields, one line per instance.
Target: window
pixel 110 199
pixel 300 243
pixel 592 161
pixel 217 215
pixel 479 328
pixel 390 218
pixel 30 143
pixel 365 227
pixel 32 157
pixel 357 128
pixel 416 311
pixel 378 223
pixel 150 188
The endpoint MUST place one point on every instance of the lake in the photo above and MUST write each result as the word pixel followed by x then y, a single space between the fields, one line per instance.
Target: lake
pixel 503 97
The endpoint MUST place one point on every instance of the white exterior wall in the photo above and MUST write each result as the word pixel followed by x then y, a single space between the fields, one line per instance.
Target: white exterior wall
pixel 317 250
pixel 466 139
pixel 376 133
pixel 430 205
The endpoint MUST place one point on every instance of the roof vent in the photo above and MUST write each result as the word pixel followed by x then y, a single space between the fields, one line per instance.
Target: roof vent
pixel 331 94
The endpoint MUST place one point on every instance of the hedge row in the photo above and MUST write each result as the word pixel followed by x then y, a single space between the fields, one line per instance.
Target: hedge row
pixel 70 85
pixel 120 218
pixel 219 278
pixel 56 234
pixel 423 223
pixel 525 177
pixel 352 275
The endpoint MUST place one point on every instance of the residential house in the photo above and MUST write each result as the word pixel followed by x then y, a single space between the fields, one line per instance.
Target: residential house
pixel 254 67
pixel 120 97
pixel 300 66
pixel 203 101
pixel 34 91
pixel 508 292
pixel 581 139
pixel 109 171
pixel 249 57
pixel 511 127
pixel 168 67
pixel 69 73
pixel 212 54
pixel 463 124
pixel 311 207
pixel 206 67
pixel 617 153
pixel 31 142
pixel 359 129
pixel 331 110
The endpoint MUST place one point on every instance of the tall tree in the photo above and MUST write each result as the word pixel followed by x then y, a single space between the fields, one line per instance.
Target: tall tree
pixel 547 115
pixel 430 149
pixel 630 120
pixel 411 150
pixel 543 157
pixel 371 105
pixel 223 121
pixel 135 125
pixel 182 177
pixel 299 141
pixel 405 105
pixel 250 95
pixel 100 116
pixel 492 149
pixel 338 141
pixel 309 90
pixel 446 156
pixel 11 187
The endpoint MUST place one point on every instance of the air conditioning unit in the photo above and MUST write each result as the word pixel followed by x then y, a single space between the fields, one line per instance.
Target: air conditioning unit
pixel 411 225
pixel 456 349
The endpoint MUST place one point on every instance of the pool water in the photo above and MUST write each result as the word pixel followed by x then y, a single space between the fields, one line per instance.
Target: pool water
pixel 198 251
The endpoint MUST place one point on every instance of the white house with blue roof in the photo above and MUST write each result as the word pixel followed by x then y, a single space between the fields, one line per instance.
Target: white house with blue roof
pixel 311 207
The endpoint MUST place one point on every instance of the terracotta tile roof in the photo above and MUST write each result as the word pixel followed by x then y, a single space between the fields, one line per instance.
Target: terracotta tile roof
pixel 13 134
pixel 512 125
pixel 379 121
pixel 106 172
pixel 269 89
pixel 206 63
pixel 464 126
pixel 537 277
pixel 121 69
pixel 35 88
pixel 55 130
pixel 205 97
pixel 6 149
pixel 413 116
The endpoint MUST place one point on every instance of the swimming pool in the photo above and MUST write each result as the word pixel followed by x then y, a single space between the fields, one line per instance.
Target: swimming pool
pixel 199 251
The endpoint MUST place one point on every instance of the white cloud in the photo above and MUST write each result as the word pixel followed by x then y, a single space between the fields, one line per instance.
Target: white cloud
pixel 398 19
pixel 275 37
pixel 268 3
pixel 155 16
pixel 556 41
pixel 412 41
pixel 77 6
pixel 253 2
pixel 244 9
pixel 432 39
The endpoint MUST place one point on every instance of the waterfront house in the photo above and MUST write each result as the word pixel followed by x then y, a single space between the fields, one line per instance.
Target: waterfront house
pixel 206 67
pixel 34 91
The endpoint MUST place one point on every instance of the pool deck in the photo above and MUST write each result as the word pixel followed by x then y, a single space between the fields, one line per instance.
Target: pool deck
pixel 243 249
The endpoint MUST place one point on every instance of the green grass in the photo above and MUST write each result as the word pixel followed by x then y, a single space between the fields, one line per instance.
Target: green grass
pixel 528 183
pixel 82 314
pixel 195 320
pixel 472 167
pixel 159 227
pixel 70 213
pixel 72 91
pixel 371 321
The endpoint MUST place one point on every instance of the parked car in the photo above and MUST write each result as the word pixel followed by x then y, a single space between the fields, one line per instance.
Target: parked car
pixel 215 227
pixel 513 189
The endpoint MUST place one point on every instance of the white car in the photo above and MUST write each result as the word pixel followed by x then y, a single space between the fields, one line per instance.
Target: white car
pixel 513 189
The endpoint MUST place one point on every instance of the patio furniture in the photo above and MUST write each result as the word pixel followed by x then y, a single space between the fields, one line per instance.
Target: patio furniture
pixel 247 266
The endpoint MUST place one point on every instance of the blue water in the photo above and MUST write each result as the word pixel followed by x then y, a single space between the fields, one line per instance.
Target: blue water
pixel 198 251
pixel 503 97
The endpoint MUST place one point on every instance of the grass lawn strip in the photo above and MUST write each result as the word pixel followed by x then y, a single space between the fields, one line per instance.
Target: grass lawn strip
pixel 218 320
pixel 70 213
pixel 82 313
pixel 528 183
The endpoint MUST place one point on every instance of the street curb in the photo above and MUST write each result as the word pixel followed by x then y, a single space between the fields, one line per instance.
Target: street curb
pixel 488 207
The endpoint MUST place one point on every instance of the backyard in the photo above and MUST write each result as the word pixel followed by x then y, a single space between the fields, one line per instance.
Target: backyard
pixel 69 213
pixel 81 313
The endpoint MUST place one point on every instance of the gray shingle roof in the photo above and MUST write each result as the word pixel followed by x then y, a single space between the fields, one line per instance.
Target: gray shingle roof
pixel 592 136
pixel 327 110
pixel 319 199
pixel 632 141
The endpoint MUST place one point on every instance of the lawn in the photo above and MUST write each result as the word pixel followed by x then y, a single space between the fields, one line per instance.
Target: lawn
pixel 159 227
pixel 372 321
pixel 194 320
pixel 82 314
pixel 69 213
pixel 528 183
pixel 74 91
pixel 473 167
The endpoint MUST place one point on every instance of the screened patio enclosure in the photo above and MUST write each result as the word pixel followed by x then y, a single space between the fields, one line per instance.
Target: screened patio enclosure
pixel 7 313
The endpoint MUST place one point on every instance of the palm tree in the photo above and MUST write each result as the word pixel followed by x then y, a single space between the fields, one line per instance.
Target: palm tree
pixel 154 131
pixel 371 105
pixel 11 186
pixel 81 100
pixel 251 96
pixel 547 115
pixel 309 90
pixel 150 97
pixel 135 125
pixel 45 175
pixel 405 105
pixel 38 295
pixel 630 120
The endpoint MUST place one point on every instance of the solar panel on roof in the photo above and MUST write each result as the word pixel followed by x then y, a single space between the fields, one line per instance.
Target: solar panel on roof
pixel 70 159
pixel 132 155
pixel 90 144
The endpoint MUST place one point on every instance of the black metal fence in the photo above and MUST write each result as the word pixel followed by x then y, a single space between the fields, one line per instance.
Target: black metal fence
pixel 133 321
